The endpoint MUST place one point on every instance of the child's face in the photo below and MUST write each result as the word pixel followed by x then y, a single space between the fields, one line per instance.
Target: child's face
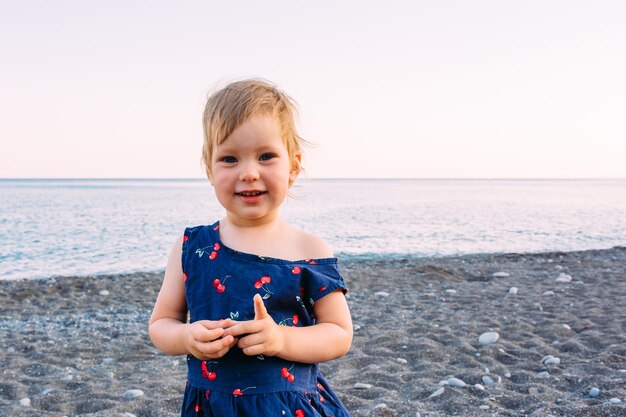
pixel 251 171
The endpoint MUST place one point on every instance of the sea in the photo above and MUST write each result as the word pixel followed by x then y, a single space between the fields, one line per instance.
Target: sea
pixel 79 227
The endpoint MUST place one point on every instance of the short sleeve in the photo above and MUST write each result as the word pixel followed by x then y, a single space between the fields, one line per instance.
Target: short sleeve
pixel 320 280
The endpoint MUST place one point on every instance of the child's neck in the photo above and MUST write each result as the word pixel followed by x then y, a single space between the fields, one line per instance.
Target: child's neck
pixel 263 238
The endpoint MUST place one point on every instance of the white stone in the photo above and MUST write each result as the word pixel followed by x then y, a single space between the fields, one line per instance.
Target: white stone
pixel 548 293
pixel 564 278
pixel 488 338
pixel 479 387
pixel 132 394
pixel 25 402
pixel 543 375
pixel 500 274
pixel 402 361
pixel 360 385
pixel 484 407
pixel 513 290
pixel 381 294
pixel 381 405
pixel 437 393
pixel 594 392
pixel 550 360
pixel 456 382
pixel 450 291
pixel 104 292
pixel 487 380
pixel 615 401
pixel 507 375
pixel 567 327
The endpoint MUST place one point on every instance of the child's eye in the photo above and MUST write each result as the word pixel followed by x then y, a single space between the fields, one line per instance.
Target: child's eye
pixel 267 156
pixel 228 159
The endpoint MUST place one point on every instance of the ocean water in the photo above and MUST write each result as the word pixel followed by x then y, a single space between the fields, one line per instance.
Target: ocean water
pixel 84 227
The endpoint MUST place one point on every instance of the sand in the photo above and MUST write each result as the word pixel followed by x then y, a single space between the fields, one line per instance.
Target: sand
pixel 75 345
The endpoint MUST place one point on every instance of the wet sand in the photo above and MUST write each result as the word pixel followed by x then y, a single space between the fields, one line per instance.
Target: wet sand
pixel 75 345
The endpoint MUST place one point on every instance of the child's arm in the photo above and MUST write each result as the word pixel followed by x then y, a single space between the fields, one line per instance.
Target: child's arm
pixel 169 329
pixel 330 338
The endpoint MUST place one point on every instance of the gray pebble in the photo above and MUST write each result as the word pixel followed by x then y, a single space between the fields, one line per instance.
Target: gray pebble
pixel 437 393
pixel 543 375
pixel 450 291
pixel 381 294
pixel 533 391
pixel 132 394
pixel 500 274
pixel 360 385
pixel 548 293
pixel 479 387
pixel 104 292
pixel 402 361
pixel 488 338
pixel 456 382
pixel 550 360
pixel 513 290
pixel 594 392
pixel 484 407
pixel 487 380
pixel 615 401
pixel 25 402
pixel 381 405
pixel 563 278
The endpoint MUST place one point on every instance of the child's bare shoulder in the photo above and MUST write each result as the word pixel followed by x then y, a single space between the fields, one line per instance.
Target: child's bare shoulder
pixel 312 246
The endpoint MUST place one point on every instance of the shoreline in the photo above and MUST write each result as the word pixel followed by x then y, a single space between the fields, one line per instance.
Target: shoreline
pixel 75 345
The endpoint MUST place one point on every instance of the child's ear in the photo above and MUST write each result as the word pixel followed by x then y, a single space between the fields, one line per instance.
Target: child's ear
pixel 296 167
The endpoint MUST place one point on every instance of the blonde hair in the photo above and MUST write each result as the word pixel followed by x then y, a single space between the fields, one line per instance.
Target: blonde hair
pixel 229 107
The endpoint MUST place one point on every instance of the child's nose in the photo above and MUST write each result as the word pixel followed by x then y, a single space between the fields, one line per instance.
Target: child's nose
pixel 249 171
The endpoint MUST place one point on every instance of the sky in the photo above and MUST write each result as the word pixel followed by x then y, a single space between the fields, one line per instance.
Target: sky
pixel 397 89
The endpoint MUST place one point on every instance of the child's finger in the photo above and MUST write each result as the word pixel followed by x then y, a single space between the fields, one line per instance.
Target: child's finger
pixel 260 312
pixel 211 348
pixel 243 328
pixel 214 324
pixel 205 335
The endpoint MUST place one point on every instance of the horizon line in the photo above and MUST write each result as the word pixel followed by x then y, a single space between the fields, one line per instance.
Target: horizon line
pixel 320 178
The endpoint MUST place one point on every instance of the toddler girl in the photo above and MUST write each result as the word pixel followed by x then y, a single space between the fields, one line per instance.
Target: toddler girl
pixel 265 301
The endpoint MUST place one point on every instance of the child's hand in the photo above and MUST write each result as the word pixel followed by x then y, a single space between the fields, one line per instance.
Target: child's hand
pixel 205 339
pixel 261 336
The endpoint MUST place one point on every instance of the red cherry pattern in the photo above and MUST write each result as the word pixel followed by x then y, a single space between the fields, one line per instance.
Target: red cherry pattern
pixel 287 375
pixel 296 270
pixel 210 375
pixel 185 238
pixel 239 392
pixel 300 413
pixel 296 319
pixel 322 289
pixel 213 255
pixel 184 276
pixel 220 285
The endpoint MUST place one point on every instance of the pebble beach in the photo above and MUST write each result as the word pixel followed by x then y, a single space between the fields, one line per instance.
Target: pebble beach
pixel 475 335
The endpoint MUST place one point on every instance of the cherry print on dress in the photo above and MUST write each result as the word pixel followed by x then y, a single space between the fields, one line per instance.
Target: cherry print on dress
pixel 220 284
pixel 288 375
pixel 206 372
pixel 239 392
pixel 211 250
pixel 296 270
pixel 262 283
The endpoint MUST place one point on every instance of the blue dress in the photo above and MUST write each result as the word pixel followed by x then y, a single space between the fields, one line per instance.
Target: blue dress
pixel 220 283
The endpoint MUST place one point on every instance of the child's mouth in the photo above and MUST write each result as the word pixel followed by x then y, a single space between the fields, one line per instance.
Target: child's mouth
pixel 250 193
